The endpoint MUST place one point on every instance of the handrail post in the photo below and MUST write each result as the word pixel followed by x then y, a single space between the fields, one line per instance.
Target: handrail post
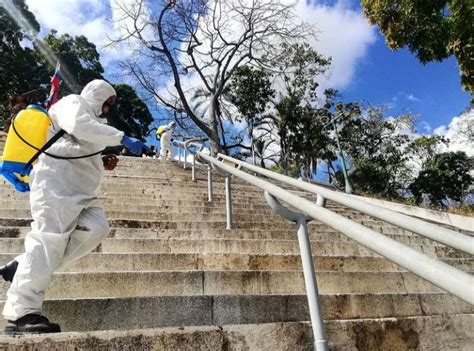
pixel 314 304
pixel 320 200
pixel 185 157
pixel 193 169
pixel 209 183
pixel 228 202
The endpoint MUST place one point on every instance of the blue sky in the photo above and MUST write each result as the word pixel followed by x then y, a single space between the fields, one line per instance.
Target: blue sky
pixel 364 68
pixel 398 79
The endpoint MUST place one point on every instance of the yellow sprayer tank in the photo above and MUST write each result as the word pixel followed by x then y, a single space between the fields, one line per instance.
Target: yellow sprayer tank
pixel 31 125
pixel 160 131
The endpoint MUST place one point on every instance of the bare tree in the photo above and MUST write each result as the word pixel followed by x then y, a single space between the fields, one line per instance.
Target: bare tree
pixel 180 46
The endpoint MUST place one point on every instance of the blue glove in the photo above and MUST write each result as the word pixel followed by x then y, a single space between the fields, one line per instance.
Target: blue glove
pixel 135 146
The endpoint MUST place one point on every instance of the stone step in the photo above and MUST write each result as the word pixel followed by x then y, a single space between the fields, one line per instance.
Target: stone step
pixel 172 209
pixel 181 283
pixel 118 186
pixel 171 311
pixel 148 195
pixel 264 218
pixel 439 332
pixel 178 192
pixel 319 248
pixel 321 234
pixel 9 228
pixel 165 182
pixel 120 220
pixel 110 262
pixel 166 206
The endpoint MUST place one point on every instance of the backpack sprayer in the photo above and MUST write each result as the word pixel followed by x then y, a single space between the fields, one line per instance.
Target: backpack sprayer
pixel 27 140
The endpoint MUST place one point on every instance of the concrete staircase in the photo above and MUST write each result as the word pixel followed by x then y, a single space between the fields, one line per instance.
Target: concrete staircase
pixel 170 277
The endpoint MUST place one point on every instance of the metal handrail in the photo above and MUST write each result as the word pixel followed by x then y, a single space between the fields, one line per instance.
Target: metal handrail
pixel 429 230
pixel 444 276
pixel 448 278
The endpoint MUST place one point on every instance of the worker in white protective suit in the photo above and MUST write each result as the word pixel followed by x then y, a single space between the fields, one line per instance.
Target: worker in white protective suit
pixel 68 219
pixel 164 134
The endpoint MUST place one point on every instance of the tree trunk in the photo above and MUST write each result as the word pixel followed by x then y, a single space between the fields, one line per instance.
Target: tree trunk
pixel 214 139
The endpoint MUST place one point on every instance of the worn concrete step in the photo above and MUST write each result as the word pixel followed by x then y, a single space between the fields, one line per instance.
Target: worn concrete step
pixel 170 311
pixel 452 332
pixel 322 234
pixel 178 192
pixel 265 218
pixel 174 199
pixel 8 228
pixel 253 246
pixel 130 222
pixel 158 206
pixel 253 233
pixel 171 206
pixel 180 283
pixel 319 248
pixel 167 182
pixel 160 197
pixel 110 262
pixel 183 208
pixel 173 180
pixel 144 202
pixel 170 216
pixel 140 233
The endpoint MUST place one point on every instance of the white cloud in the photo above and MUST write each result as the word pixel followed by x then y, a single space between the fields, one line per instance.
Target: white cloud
pixel 91 18
pixel 344 34
pixel 400 97
pixel 441 130
pixel 76 17
pixel 413 98
pixel 460 132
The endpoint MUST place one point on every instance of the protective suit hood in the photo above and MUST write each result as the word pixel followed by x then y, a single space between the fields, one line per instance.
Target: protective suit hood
pixel 95 93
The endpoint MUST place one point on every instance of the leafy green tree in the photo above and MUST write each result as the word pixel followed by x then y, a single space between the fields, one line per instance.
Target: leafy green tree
pixel 251 91
pixel 445 176
pixel 375 146
pixel 292 170
pixel 432 29
pixel 424 148
pixel 80 61
pixel 130 114
pixel 21 69
pixel 261 147
pixel 294 120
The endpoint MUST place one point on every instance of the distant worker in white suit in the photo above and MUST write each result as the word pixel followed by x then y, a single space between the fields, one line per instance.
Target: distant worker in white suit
pixel 164 134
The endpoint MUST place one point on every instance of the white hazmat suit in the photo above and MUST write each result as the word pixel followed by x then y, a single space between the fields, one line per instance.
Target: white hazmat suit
pixel 166 149
pixel 68 219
